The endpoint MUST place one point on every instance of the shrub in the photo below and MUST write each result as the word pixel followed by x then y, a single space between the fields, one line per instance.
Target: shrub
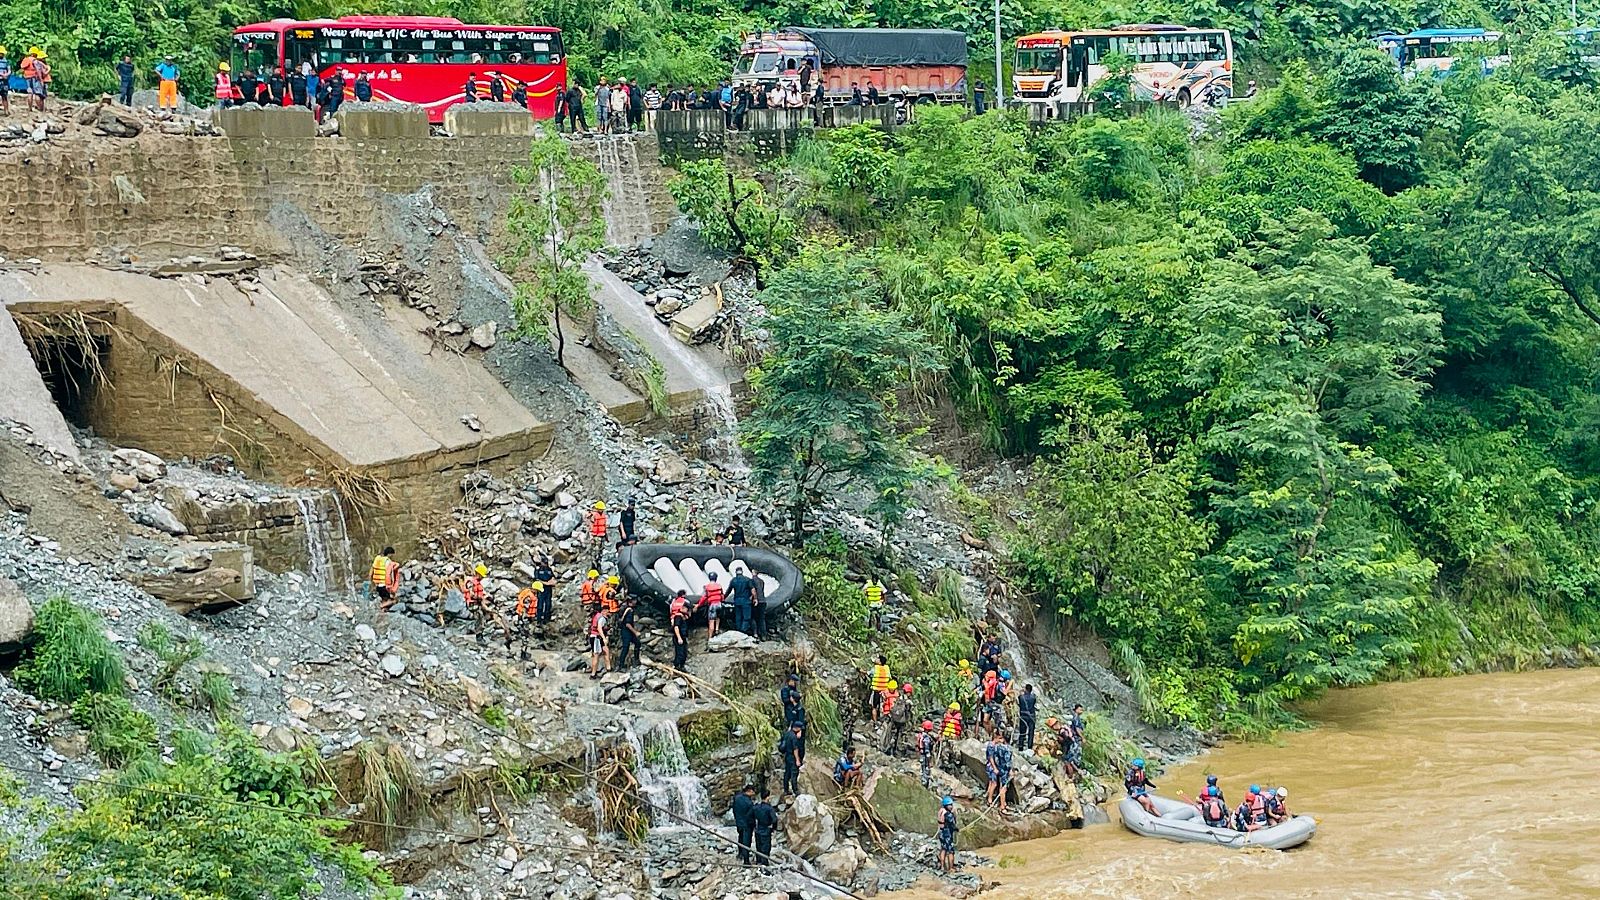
pixel 216 695
pixel 118 731
pixel 72 656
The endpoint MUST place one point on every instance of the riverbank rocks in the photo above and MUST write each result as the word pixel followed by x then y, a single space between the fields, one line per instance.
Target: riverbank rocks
pixel 16 618
pixel 840 864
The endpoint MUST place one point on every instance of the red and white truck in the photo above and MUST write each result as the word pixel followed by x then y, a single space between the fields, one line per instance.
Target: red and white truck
pixel 927 65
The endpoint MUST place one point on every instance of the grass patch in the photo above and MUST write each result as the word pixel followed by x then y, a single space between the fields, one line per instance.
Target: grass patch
pixel 118 731
pixel 655 389
pixel 1009 861
pixel 215 695
pixel 823 722
pixel 496 716
pixel 173 655
pixel 72 656
pixel 391 792
pixel 1105 752
pixel 706 735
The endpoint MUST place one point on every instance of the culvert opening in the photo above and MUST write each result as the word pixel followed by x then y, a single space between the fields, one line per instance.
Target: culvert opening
pixel 71 358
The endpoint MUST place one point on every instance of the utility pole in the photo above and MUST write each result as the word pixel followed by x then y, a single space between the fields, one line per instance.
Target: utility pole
pixel 999 87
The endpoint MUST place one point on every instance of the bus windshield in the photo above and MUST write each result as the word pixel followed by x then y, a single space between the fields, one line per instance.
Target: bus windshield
pixel 255 52
pixel 1038 60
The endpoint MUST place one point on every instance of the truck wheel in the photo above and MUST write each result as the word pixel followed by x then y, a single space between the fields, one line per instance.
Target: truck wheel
pixel 1184 99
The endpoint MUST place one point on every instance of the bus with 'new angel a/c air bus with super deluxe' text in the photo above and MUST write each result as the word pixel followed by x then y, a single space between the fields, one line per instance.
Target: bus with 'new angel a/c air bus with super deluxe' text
pixel 413 59
pixel 1170 62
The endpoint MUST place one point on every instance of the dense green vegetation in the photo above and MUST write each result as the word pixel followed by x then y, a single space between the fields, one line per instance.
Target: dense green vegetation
pixel 1309 401
pixel 215 818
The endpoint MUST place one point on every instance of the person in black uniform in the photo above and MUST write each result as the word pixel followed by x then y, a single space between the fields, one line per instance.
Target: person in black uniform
pixel 545 574
pixel 765 819
pixel 793 748
pixel 1027 715
pixel 736 536
pixel 744 805
pixel 629 519
pixel 630 633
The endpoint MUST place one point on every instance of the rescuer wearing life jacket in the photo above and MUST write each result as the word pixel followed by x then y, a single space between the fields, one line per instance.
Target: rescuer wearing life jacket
pixel 1252 813
pixel 477 598
pixel 598 651
pixel 873 591
pixel 1212 809
pixel 598 526
pixel 527 611
pixel 1138 785
pixel 950 728
pixel 712 599
pixel 879 683
pixel 384 576
pixel 1211 785
pixel 222 85
pixel 1277 805
pixel 589 593
pixel 927 741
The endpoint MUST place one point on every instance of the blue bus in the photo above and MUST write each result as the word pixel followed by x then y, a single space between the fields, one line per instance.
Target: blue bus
pixel 1434 50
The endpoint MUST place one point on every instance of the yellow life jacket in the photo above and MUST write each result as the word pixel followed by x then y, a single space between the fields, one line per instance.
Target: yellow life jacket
pixel 880 678
pixel 874 592
pixel 380 570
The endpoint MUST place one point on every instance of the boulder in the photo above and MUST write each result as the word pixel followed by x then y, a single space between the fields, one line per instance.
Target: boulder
pixel 730 640
pixel 671 469
pixel 840 864
pixel 213 589
pixel 548 487
pixel 484 336
pixel 157 516
pixel 477 696
pixel 131 457
pixel 902 801
pixel 393 665
pixel 123 481
pixel 808 827
pixel 566 522
pixel 16 618
pixel 978 831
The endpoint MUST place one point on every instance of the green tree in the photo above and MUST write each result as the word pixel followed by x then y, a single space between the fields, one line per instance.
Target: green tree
pixel 735 214
pixel 1379 117
pixel 1301 349
pixel 555 223
pixel 825 417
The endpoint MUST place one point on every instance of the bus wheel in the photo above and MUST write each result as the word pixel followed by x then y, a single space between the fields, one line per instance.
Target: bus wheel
pixel 1183 99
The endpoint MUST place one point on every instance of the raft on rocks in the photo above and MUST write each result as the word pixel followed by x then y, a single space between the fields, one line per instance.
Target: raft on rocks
pixel 1181 822
pixel 660 571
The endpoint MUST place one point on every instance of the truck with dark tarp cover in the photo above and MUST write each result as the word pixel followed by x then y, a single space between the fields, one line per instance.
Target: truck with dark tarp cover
pixel 923 65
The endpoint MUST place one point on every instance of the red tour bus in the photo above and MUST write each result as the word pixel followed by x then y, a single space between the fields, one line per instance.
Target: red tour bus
pixel 412 59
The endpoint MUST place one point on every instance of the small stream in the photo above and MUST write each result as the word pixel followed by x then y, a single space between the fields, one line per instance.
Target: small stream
pixel 329 559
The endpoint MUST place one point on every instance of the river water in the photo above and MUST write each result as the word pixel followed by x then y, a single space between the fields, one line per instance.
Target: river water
pixel 1479 786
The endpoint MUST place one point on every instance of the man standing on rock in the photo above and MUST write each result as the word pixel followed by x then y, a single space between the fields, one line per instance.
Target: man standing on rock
pixel 628 520
pixel 124 80
pixel 764 819
pixel 997 759
pixel 744 807
pixel 947 835
pixel 598 651
pixel 527 609
pixel 546 576
pixel 1027 714
pixel 927 741
pixel 680 640
pixel 743 591
pixel 167 87
pixel 793 749
pixel 629 630
pixel 598 526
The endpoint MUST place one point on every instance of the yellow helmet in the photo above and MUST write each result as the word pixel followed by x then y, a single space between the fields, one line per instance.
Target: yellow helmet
pixel 600 505
pixel 955 707
pixel 613 580
pixel 964 664
pixel 593 574
pixel 894 685
pixel 481 569
pixel 537 585
pixel 2 48
pixel 224 67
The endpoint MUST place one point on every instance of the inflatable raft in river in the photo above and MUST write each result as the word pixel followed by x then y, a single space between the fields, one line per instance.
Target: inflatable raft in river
pixel 660 571
pixel 1181 822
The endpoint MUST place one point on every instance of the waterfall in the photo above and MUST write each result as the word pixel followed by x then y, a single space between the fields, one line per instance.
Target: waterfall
pixel 328 554
pixel 627 205
pixel 722 447
pixel 677 796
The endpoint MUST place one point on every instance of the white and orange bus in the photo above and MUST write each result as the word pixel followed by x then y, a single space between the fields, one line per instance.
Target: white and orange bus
pixel 1171 62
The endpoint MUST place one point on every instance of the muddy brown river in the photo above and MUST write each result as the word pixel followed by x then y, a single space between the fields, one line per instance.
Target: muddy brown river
pixel 1480 786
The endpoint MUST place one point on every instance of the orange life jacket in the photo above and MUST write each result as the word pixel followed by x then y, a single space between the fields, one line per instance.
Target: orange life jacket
pixel 609 601
pixel 224 86
pixel 713 593
pixel 527 602
pixel 597 525
pixel 474 592
pixel 680 607
pixel 597 625
pixel 586 592
pixel 888 701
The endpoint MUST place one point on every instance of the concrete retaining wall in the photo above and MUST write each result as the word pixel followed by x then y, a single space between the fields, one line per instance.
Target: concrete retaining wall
pixel 161 195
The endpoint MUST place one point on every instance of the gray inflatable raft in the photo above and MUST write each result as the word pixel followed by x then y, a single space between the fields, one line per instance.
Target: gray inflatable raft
pixel 1181 822
pixel 659 571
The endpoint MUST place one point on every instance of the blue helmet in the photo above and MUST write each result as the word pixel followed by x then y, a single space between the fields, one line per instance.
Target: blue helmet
pixel 1005 674
pixel 1255 788
pixel 1211 779
pixel 948 800
pixel 1138 762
